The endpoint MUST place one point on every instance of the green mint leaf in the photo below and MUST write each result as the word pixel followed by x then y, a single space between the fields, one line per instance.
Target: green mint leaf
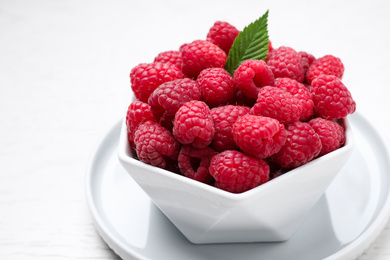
pixel 250 44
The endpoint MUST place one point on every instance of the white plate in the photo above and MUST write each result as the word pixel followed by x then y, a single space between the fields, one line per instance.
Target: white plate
pixel 345 221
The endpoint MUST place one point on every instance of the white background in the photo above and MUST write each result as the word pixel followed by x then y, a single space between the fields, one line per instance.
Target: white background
pixel 64 69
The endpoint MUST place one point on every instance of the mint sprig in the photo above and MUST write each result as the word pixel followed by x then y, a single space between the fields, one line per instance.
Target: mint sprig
pixel 250 44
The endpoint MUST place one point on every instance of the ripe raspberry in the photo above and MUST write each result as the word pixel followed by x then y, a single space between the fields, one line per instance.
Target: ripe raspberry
pixel 299 91
pixel 236 172
pixel 286 62
pixel 328 65
pixel 194 163
pixel 259 136
pixel 171 57
pixel 332 134
pixel 217 86
pixel 146 77
pixel 302 145
pixel 222 34
pixel 278 104
pixel 306 60
pixel 199 55
pixel 224 117
pixel 138 113
pixel 169 97
pixel 251 76
pixel 155 145
pixel 194 124
pixel 332 99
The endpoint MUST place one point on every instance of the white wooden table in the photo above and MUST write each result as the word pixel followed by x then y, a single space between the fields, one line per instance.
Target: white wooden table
pixel 64 69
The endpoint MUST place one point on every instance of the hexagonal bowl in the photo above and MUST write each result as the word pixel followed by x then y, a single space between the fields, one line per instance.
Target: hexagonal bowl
pixel 270 212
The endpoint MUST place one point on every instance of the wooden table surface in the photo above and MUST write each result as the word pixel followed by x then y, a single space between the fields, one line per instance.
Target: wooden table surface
pixel 64 69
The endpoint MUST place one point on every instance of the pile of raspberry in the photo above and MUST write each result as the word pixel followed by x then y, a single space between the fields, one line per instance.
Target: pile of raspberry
pixel 236 132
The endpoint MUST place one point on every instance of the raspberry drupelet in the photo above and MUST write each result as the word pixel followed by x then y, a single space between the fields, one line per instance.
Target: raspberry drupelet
pixel 199 55
pixel 222 34
pixel 327 65
pixel 194 163
pixel 302 145
pixel 138 113
pixel 259 136
pixel 332 99
pixel 217 86
pixel 237 172
pixel 155 144
pixel 146 77
pixel 169 97
pixel 278 104
pixel 193 124
pixel 224 117
pixel 286 62
pixel 251 76
pixel 332 134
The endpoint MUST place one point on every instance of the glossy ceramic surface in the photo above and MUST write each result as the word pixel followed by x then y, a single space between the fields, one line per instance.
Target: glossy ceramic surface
pixel 270 212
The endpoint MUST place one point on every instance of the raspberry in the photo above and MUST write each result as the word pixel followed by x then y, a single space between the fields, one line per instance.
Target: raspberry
pixel 194 163
pixel 302 145
pixel 286 62
pixel 328 65
pixel 251 76
pixel 306 60
pixel 222 34
pixel 194 124
pixel 199 55
pixel 332 134
pixel 259 136
pixel 217 86
pixel 236 172
pixel 170 96
pixel 138 113
pixel 155 145
pixel 299 91
pixel 171 57
pixel 332 99
pixel 146 77
pixel 224 117
pixel 278 104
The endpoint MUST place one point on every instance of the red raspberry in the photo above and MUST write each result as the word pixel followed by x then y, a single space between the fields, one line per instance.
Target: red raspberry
pixel 146 77
pixel 138 113
pixel 155 145
pixel 217 86
pixel 222 34
pixel 306 60
pixel 302 145
pixel 171 57
pixel 299 91
pixel 328 65
pixel 170 96
pixel 259 136
pixel 331 97
pixel 199 55
pixel 236 172
pixel 251 76
pixel 286 62
pixel 332 134
pixel 194 124
pixel 278 104
pixel 224 117
pixel 194 163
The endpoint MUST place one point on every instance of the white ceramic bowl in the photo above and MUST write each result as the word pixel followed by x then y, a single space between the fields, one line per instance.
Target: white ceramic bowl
pixel 205 214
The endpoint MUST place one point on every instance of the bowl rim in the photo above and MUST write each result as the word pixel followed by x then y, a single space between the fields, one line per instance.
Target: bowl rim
pixel 124 149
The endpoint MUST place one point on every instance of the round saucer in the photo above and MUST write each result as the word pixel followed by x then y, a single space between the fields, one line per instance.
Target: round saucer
pixel 344 222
